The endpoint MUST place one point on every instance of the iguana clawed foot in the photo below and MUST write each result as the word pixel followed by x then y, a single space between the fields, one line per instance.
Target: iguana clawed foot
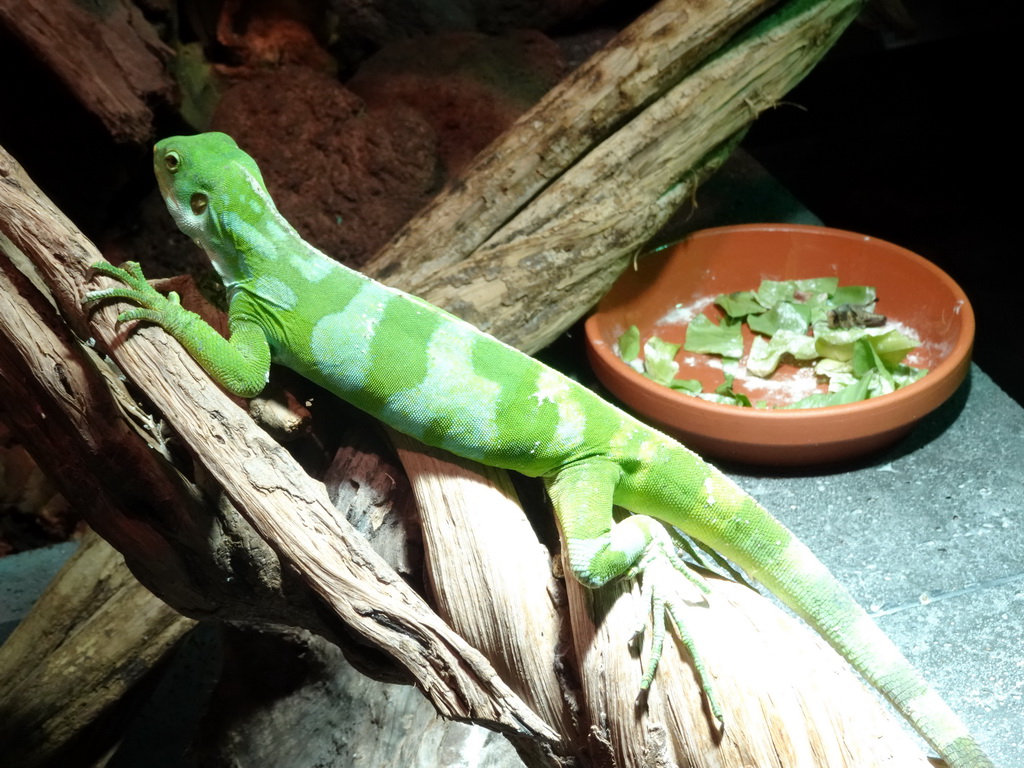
pixel 153 307
pixel 660 570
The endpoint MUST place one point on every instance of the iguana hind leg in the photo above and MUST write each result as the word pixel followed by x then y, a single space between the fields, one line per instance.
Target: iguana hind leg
pixel 599 549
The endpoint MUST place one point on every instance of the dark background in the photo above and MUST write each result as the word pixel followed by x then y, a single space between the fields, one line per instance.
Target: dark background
pixel 914 138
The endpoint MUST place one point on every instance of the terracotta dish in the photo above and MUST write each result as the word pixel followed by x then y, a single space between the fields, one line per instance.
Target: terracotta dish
pixel 676 281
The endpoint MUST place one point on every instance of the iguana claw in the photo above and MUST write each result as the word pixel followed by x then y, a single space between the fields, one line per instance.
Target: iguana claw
pixel 152 305
pixel 660 569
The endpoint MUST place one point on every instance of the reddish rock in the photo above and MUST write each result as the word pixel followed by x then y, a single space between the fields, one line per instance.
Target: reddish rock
pixel 470 87
pixel 346 175
pixel 348 165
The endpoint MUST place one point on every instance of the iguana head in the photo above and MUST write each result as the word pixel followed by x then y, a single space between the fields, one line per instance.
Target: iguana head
pixel 215 193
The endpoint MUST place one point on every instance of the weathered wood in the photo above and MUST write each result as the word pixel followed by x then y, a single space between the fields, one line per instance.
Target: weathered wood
pixel 491 578
pixel 113 65
pixel 576 116
pixel 543 222
pixel 787 698
pixel 92 636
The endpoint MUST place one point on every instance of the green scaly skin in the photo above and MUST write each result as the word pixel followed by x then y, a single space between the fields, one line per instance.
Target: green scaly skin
pixel 437 378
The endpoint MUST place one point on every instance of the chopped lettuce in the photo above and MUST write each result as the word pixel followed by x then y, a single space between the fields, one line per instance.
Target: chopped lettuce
pixel 690 386
pixel 659 360
pixel 766 354
pixel 790 321
pixel 629 344
pixel 658 363
pixel 838 343
pixel 853 393
pixel 853 294
pixel 771 293
pixel 740 304
pixel 725 390
pixel 705 337
pixel 782 317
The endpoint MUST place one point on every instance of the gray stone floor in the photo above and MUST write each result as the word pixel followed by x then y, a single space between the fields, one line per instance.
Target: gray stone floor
pixel 929 537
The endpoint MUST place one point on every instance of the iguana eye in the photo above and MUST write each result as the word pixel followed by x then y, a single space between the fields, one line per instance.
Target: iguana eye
pixel 173 161
pixel 199 202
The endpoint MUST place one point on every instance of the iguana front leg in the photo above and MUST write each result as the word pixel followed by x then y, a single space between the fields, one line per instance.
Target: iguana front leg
pixel 240 364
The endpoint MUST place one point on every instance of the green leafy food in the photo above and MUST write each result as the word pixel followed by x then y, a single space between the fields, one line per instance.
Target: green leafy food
pixel 629 344
pixel 838 343
pixel 771 293
pixel 783 317
pixel 853 294
pixel 705 337
pixel 725 390
pixel 740 304
pixel 766 354
pixel 853 393
pixel 892 347
pixel 659 360
pixel 790 320
pixel 690 386
pixel 658 363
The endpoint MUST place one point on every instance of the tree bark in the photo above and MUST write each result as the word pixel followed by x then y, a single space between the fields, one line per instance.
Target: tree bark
pixel 546 218
pixel 114 66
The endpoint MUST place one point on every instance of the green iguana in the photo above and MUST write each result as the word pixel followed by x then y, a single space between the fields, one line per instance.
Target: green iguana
pixel 439 379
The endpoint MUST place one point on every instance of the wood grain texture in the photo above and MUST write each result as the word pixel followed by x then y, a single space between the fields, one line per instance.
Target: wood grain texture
pixel 113 65
pixel 589 106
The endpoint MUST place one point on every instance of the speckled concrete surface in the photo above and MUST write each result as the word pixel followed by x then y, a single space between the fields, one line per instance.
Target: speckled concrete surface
pixel 929 537
pixel 23 578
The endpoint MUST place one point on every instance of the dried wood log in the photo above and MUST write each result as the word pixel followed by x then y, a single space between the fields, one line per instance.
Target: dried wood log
pixel 787 698
pixel 601 96
pixel 547 218
pixel 492 579
pixel 113 65
pixel 95 631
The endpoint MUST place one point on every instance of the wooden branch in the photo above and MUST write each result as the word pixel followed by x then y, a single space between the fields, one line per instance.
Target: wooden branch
pixel 602 95
pixel 541 224
pixel 273 493
pixel 492 579
pixel 100 447
pixel 787 698
pixel 114 66
pixel 64 668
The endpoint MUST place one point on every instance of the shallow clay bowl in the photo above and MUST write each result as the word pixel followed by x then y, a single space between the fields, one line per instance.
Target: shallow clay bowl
pixel 911 291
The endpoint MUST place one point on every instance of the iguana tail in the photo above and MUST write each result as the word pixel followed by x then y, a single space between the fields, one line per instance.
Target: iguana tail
pixel 708 506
